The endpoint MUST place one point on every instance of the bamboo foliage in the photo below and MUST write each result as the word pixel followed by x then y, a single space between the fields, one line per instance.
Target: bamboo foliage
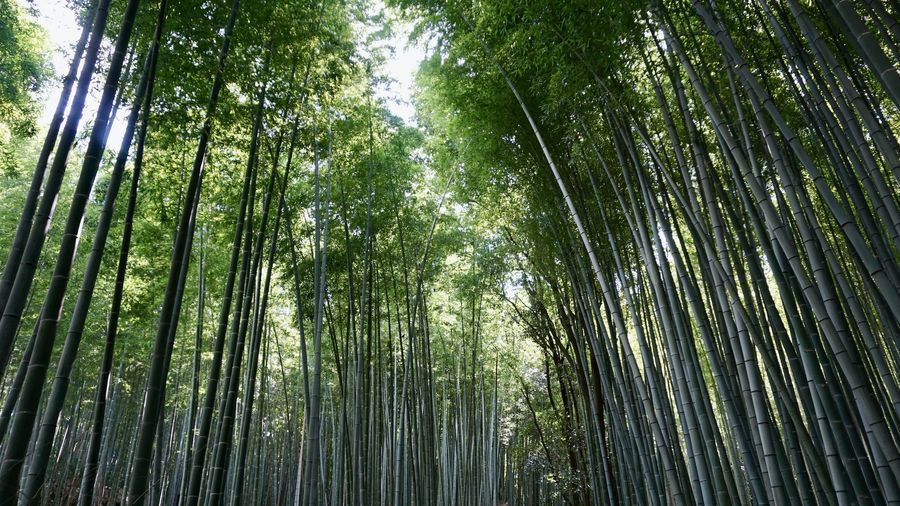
pixel 760 255
pixel 640 252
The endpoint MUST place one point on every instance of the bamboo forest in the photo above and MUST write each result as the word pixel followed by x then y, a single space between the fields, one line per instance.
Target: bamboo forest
pixel 449 252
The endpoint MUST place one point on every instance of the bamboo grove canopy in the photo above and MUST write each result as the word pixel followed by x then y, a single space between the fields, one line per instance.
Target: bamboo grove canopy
pixel 624 252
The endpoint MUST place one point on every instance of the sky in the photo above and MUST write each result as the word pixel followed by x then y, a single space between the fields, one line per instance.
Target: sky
pixel 401 68
pixel 63 31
